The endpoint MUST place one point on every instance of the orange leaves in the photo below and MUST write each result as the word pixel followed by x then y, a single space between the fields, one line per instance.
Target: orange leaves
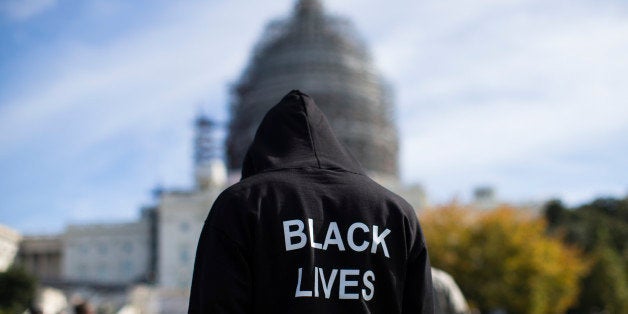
pixel 503 259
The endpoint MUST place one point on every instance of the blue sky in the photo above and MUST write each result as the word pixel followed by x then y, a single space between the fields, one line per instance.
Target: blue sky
pixel 97 97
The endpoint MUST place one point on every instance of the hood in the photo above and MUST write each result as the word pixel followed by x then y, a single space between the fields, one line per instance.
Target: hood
pixel 296 134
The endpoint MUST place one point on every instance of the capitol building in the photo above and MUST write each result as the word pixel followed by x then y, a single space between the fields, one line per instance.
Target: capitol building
pixel 145 266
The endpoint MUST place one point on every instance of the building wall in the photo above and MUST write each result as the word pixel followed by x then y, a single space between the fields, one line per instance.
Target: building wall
pixel 9 240
pixel 107 253
pixel 181 217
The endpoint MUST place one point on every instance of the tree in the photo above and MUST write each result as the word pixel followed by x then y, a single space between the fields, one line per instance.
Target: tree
pixel 605 287
pixel 17 290
pixel 554 212
pixel 581 226
pixel 503 259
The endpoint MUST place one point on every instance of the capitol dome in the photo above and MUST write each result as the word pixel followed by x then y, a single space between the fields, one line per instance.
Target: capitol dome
pixel 323 56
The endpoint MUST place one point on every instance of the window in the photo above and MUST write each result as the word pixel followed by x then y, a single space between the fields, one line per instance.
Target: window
pixel 184 255
pixel 81 271
pixel 83 248
pixel 103 272
pixel 184 226
pixel 126 268
pixel 127 247
pixel 102 248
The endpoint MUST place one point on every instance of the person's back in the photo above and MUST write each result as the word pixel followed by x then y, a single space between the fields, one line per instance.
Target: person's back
pixel 306 231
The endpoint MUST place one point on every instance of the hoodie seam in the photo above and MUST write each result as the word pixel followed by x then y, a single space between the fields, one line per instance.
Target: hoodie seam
pixel 309 131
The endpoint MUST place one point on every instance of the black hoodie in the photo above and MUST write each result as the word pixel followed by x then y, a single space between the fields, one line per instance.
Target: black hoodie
pixel 306 231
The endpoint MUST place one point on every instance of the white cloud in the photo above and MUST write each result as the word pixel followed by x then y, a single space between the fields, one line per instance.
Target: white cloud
pixel 486 85
pixel 101 99
pixel 139 80
pixel 25 9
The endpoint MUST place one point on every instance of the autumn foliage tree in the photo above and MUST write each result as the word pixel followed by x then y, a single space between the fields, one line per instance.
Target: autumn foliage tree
pixel 503 259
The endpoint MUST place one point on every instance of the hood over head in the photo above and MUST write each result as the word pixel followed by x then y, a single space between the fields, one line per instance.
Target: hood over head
pixel 296 134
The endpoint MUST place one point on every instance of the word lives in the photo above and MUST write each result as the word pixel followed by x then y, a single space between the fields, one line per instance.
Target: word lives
pixel 349 278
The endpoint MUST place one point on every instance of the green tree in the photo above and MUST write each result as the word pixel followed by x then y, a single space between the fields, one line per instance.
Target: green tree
pixel 555 213
pixel 503 259
pixel 605 287
pixel 17 290
pixel 600 228
pixel 581 224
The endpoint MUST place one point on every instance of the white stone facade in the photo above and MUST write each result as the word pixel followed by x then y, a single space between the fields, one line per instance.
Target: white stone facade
pixel 107 253
pixel 9 241
pixel 180 219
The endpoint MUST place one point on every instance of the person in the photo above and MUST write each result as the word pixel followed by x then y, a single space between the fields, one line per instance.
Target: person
pixel 448 299
pixel 84 308
pixel 306 231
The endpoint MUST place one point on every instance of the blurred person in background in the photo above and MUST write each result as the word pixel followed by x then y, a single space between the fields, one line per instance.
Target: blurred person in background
pixel 84 308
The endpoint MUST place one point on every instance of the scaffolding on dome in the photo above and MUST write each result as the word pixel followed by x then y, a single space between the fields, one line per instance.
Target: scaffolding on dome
pixel 323 56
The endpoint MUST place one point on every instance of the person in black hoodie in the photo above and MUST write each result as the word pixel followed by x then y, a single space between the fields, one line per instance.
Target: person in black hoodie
pixel 306 231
